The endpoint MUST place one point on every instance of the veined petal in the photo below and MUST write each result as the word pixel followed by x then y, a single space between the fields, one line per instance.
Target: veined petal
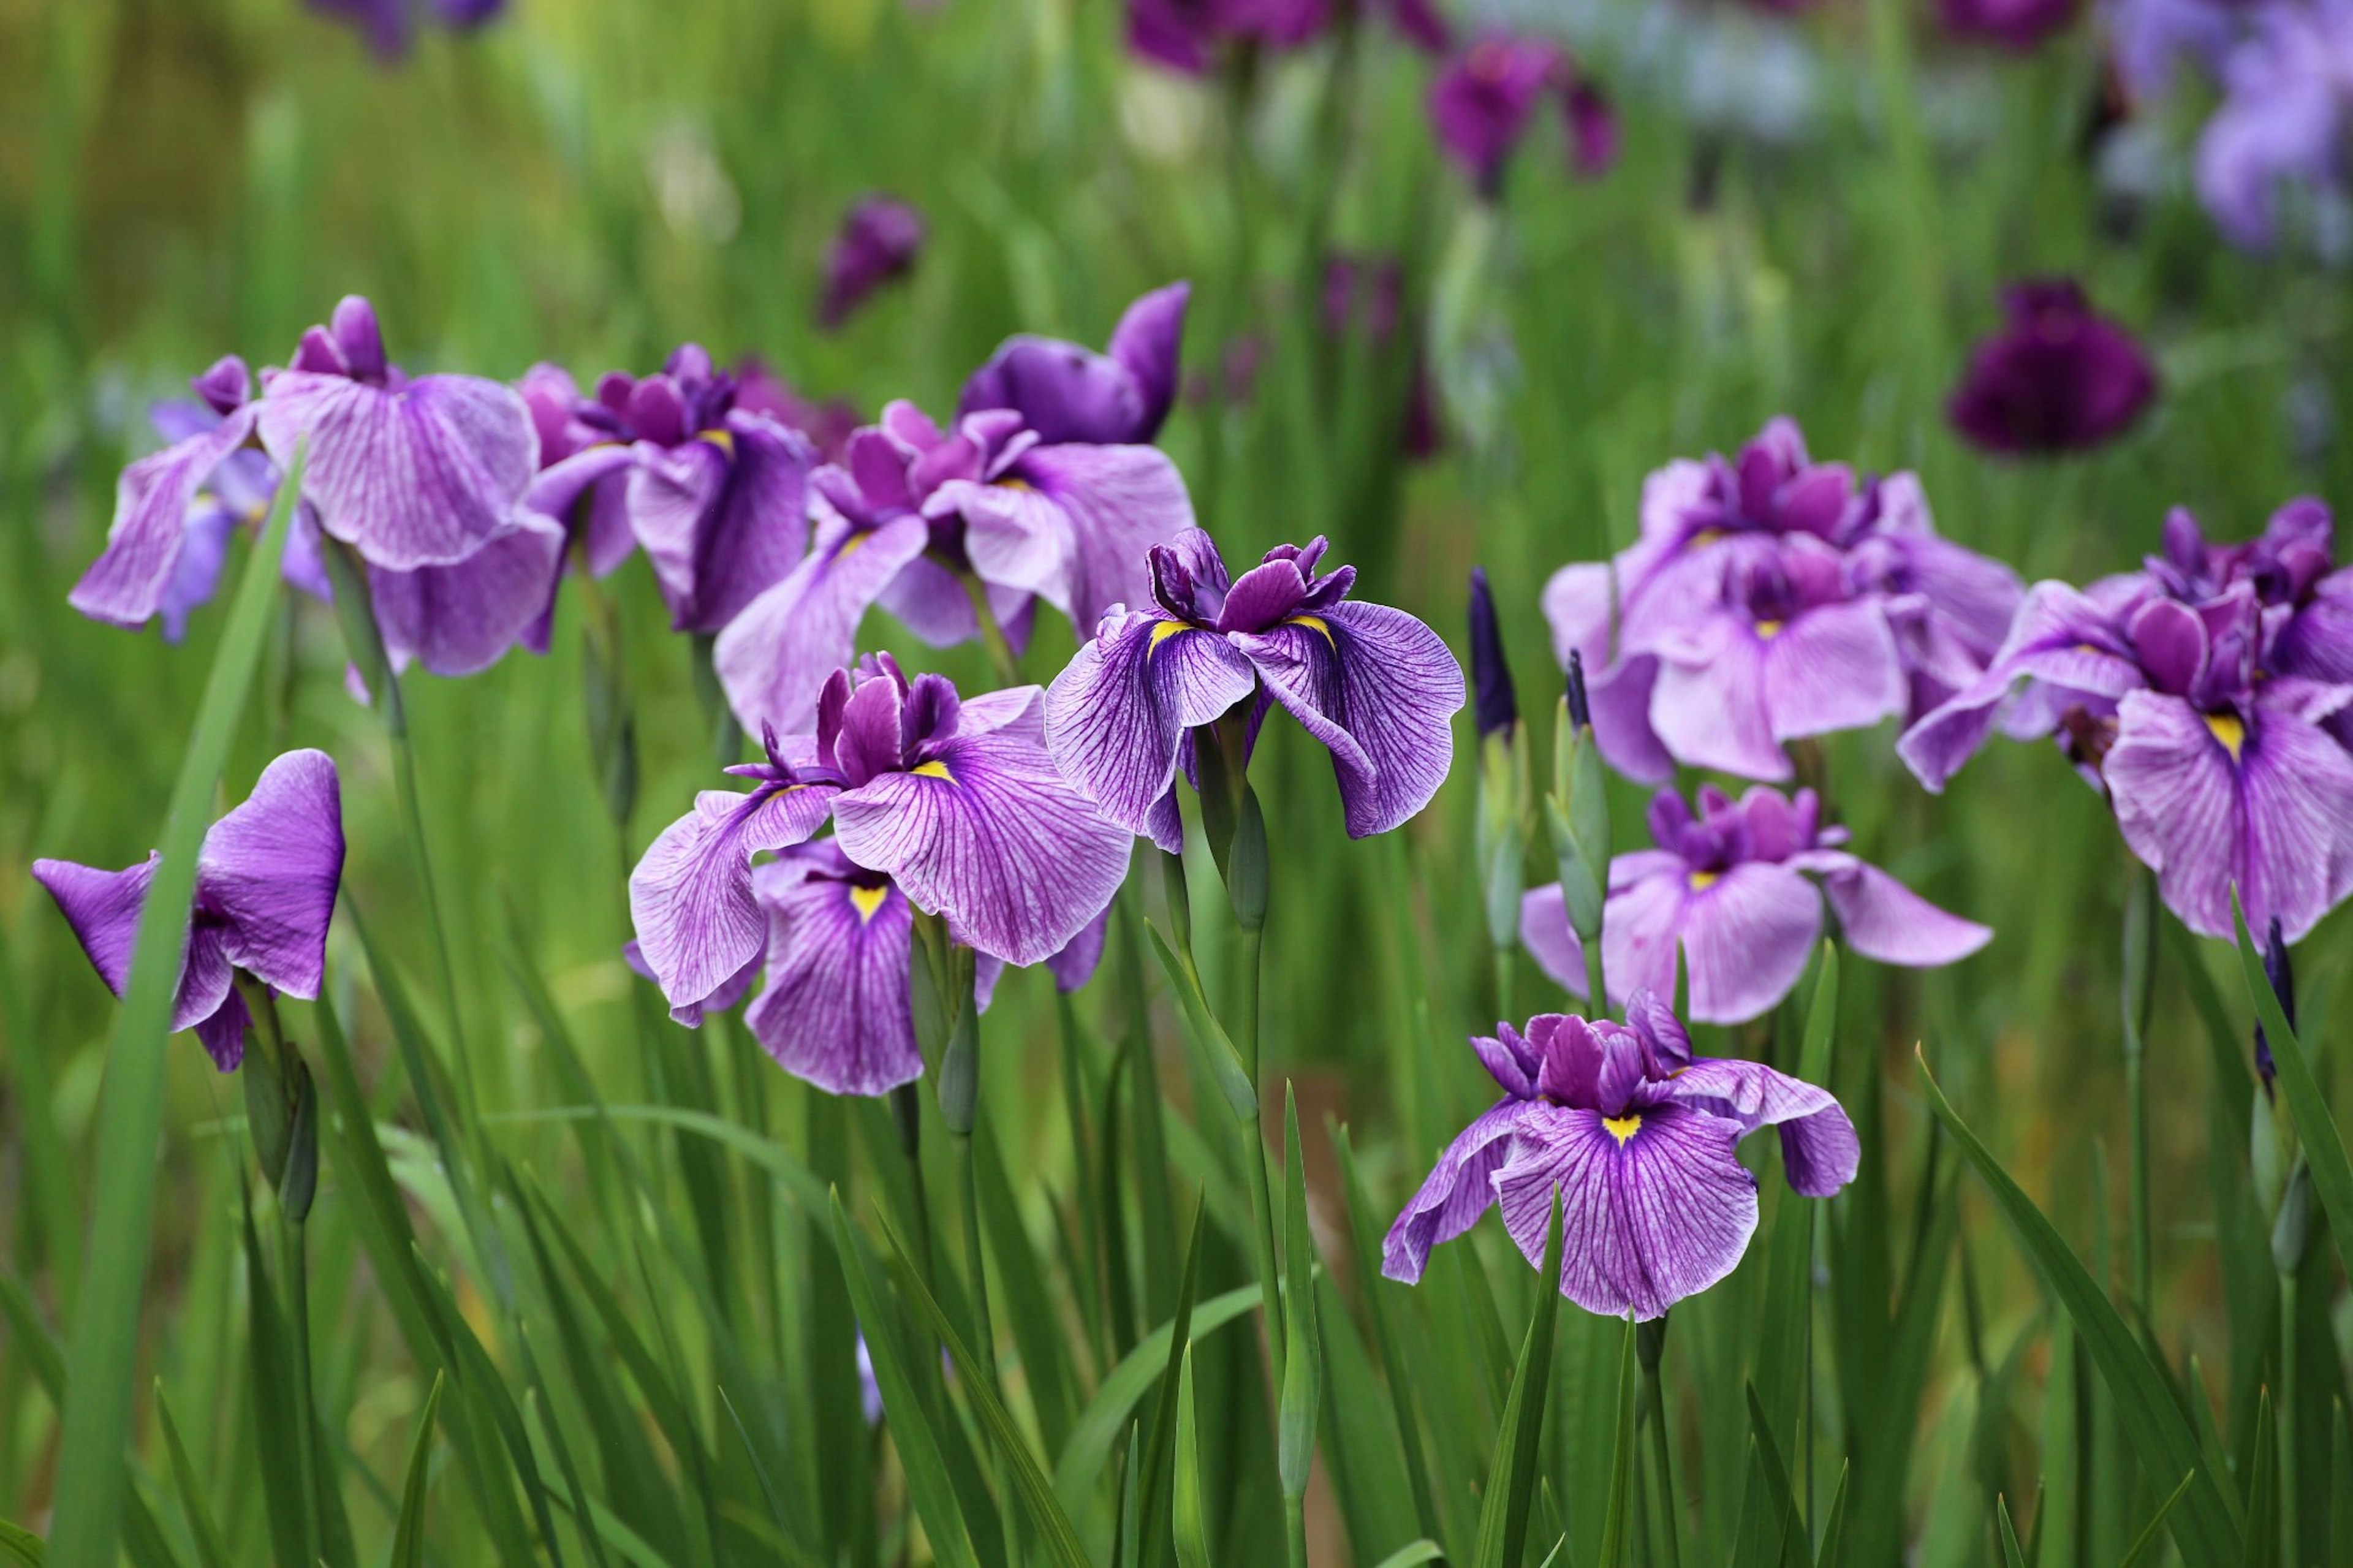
pixel 691 894
pixel 990 836
pixel 269 869
pixel 1117 714
pixel 102 908
pixel 1649 1216
pixel 196 576
pixel 1710 708
pixel 1819 1151
pixel 128 582
pixel 1833 668
pixel 1746 936
pixel 1545 933
pixel 599 476
pixel 1380 690
pixel 774 657
pixel 722 516
pixel 462 618
pixel 1116 502
pixel 419 477
pixel 1457 1191
pixel 1886 920
pixel 1641 924
pixel 1619 697
pixel 928 601
pixel 836 1011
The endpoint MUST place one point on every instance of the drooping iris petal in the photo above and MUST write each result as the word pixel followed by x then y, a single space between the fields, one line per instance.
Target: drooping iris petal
pixel 727 995
pixel 1076 963
pixel 600 475
pixel 691 894
pixel 1746 937
pixel 1457 1189
pixel 1835 667
pixel 722 516
pixel 196 576
pixel 989 835
pixel 1654 1206
pixel 929 602
pixel 2208 804
pixel 1069 394
pixel 1380 689
pixel 835 1010
pixel 1819 1149
pixel 1883 919
pixel 102 908
pixel 126 584
pixel 1078 527
pixel 1709 708
pixel 420 476
pixel 1117 714
pixel 774 657
pixel 268 871
pixel 462 618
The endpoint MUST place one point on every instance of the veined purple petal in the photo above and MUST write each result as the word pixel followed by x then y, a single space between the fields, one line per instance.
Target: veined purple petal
pixel 462 618
pixel 1835 667
pixel 128 582
pixel 1457 1189
pixel 1819 1151
pixel 1069 394
pixel 1745 934
pixel 1709 706
pixel 836 1011
pixel 102 908
pixel 1651 1211
pixel 1545 933
pixel 1886 920
pixel 1380 689
pixel 417 477
pixel 600 474
pixel 1081 955
pixel 721 516
pixel 774 657
pixel 196 576
pixel 928 601
pixel 989 835
pixel 1117 714
pixel 691 894
pixel 1076 525
pixel 269 869
pixel 719 1001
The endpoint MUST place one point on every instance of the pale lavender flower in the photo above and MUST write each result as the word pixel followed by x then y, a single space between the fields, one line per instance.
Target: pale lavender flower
pixel 2279 136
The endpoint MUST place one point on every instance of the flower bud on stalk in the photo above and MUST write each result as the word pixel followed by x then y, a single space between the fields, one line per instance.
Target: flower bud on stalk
pixel 2283 1184
pixel 1504 796
pixel 1578 813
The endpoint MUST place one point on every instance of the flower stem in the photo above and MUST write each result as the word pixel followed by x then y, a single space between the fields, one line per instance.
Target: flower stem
pixel 992 635
pixel 2288 1451
pixel 294 1264
pixel 1254 1154
pixel 1294 1531
pixel 960 1109
pixel 2139 955
pixel 1597 998
pixel 1663 1478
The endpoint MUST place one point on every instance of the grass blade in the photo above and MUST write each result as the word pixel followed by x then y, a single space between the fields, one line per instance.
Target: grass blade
pixel 2154 1530
pixel 211 1552
pixel 20 1545
pixel 1511 1477
pixel 1302 1374
pixel 2012 1556
pixel 408 1531
pixel 104 1346
pixel 1156 1455
pixel 1618 1522
pixel 1192 1529
pixel 1411 1555
pixel 1834 1526
pixel 1106 1416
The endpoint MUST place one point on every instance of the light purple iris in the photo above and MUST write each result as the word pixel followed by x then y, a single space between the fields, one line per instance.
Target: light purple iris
pixel 1481 103
pixel 1638 1136
pixel 1045 488
pixel 955 803
pixel 266 882
pixel 2210 694
pixel 2276 143
pixel 1770 598
pixel 1729 891
pixel 1376 686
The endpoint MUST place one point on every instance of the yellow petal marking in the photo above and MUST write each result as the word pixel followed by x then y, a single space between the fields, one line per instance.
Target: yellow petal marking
pixel 1769 630
pixel 2231 730
pixel 1622 1128
pixel 856 543
pixel 719 436
pixel 1317 624
pixel 1161 632
pixel 934 771
pixel 1702 881
pixel 866 900
pixel 1013 482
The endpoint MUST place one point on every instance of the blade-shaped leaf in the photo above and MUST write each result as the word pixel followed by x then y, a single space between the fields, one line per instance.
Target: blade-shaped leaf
pixel 1618 1519
pixel 1303 1361
pixel 1192 1528
pixel 1510 1476
pixel 211 1552
pixel 2315 1129
pixel 408 1531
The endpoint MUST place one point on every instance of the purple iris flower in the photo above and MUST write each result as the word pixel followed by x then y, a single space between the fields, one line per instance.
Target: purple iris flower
pixel 828 425
pixel 1481 103
pixel 266 882
pixel 1045 488
pixel 2018 26
pixel 390 25
pixel 1638 1136
pixel 2151 40
pixel 2286 115
pixel 1728 890
pixel 2058 377
pixel 1376 686
pixel 1366 294
pixel 2211 694
pixel 1421 24
pixel 955 802
pixel 1189 36
pixel 879 241
pixel 1772 597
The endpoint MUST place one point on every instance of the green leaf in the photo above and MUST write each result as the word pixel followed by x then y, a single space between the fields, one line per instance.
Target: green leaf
pixel 910 1429
pixel 1302 1364
pixel 2263 1490
pixel 1210 1039
pixel 293 1528
pixel 2153 1532
pixel 1617 1521
pixel 104 1345
pixel 2315 1129
pixel 1410 1556
pixel 1785 1324
pixel 1106 1416
pixel 1784 1526
pixel 2340 1486
pixel 1192 1529
pixel 2207 1529
pixel 408 1531
pixel 1381 1304
pixel 1511 1475
pixel 1029 1309
pixel 1834 1526
pixel 1158 1455
pixel 2010 1556
pixel 21 1546
pixel 211 1552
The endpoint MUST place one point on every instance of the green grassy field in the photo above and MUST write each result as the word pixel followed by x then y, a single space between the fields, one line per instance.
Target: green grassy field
pixel 609 1240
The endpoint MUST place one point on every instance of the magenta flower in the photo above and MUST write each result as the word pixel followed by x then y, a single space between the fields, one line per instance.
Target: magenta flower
pixel 1189 36
pixel 1481 103
pixel 2058 377
pixel 879 241
pixel 2018 25
pixel 1769 599
pixel 266 884
pixel 1377 687
pixel 1638 1136
pixel 390 25
pixel 2211 694
pixel 1045 488
pixel 1728 892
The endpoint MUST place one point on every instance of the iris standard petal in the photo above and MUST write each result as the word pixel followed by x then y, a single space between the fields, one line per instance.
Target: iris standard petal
pixel 1146 341
pixel 1819 1151
pixel 1883 918
pixel 1117 714
pixel 774 657
pixel 722 516
pixel 1457 1191
pixel 102 908
pixel 1835 667
pixel 269 869
pixel 991 836
pixel 1709 708
pixel 1114 503
pixel 417 477
pixel 128 582
pixel 691 894
pixel 1654 1206
pixel 600 475
pixel 462 618
pixel 835 1010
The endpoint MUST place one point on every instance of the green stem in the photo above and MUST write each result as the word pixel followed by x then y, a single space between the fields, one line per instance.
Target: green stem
pixel 992 635
pixel 2139 933
pixel 1254 1153
pixel 1663 1488
pixel 2288 1451
pixel 306 1453
pixel 1504 965
pixel 964 1039
pixel 1597 995
pixel 1294 1532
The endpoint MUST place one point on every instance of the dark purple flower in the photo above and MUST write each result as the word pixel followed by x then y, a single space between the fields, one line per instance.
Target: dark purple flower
pixel 1497 707
pixel 879 241
pixel 1377 687
pixel 266 882
pixel 1420 23
pixel 2019 26
pixel 1189 36
pixel 390 25
pixel 1366 294
pixel 2279 973
pixel 1769 599
pixel 955 802
pixel 2211 694
pixel 2282 127
pixel 828 425
pixel 2058 377
pixel 1728 889
pixel 1638 1136
pixel 1593 132
pixel 1481 103
pixel 1042 489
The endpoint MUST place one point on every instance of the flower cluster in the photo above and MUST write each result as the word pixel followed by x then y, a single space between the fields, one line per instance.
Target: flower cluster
pixel 1772 598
